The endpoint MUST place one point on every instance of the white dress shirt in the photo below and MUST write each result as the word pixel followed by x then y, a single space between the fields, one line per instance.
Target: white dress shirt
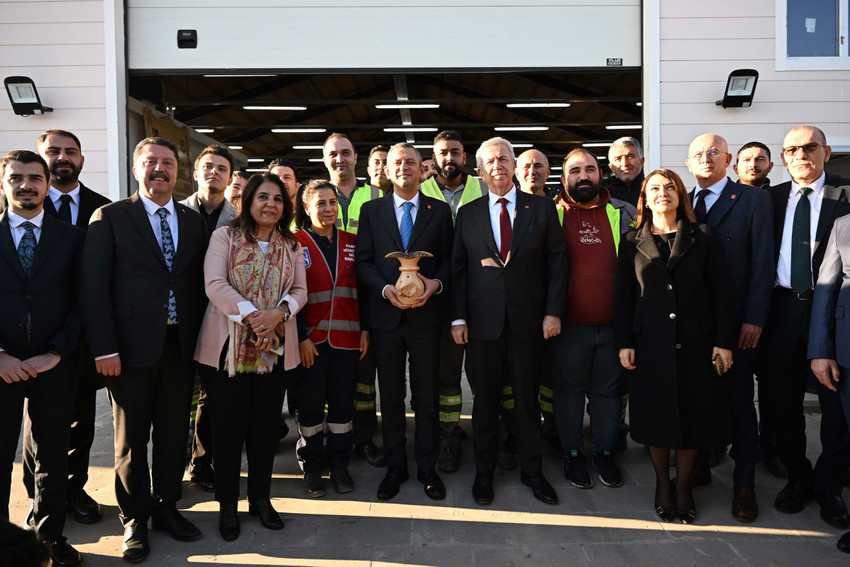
pixel 154 219
pixel 398 206
pixel 783 268
pixel 18 231
pixel 55 196
pixel 714 193
pixel 496 211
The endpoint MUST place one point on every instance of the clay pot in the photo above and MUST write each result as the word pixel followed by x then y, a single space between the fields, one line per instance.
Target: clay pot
pixel 408 283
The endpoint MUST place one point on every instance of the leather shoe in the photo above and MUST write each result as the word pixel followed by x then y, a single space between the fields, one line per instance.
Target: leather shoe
pixel 391 483
pixel 540 488
pixel 844 543
pixel 83 508
pixel 228 521
pixel 203 475
pixel 369 451
pixel 792 498
pixel 434 487
pixel 833 511
pixel 135 547
pixel 343 483
pixel 165 517
pixel 315 484
pixel 744 506
pixel 63 554
pixel 268 515
pixel 449 459
pixel 482 489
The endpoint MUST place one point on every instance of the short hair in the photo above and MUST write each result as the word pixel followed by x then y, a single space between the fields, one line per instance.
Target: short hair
pixel 246 224
pixel 683 211
pixel 283 162
pixel 448 135
pixel 23 156
pixel 155 141
pixel 337 135
pixel 302 217
pixel 496 141
pixel 216 150
pixel 749 145
pixel 407 145
pixel 46 133
pixel 577 151
pixel 380 148
pixel 241 174
pixel 625 141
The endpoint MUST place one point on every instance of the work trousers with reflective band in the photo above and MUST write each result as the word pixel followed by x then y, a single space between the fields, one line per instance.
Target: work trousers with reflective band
pixel 328 383
pixel 365 394
pixel 451 400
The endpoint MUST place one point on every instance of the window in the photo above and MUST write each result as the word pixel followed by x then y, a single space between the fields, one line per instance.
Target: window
pixel 812 34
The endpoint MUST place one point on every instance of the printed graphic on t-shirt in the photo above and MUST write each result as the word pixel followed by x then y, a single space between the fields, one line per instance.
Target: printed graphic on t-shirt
pixel 587 234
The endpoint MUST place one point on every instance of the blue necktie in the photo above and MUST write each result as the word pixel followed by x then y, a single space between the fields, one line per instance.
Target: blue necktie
pixel 26 247
pixel 168 253
pixel 406 224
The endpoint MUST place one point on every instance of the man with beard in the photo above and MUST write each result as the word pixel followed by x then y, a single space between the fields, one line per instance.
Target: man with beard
pixel 532 172
pixel 457 188
pixel 754 165
pixel 625 159
pixel 741 218
pixel 375 167
pixel 142 304
pixel 582 359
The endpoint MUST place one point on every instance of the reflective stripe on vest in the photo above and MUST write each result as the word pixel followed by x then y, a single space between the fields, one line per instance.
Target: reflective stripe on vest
pixel 471 190
pixel 360 195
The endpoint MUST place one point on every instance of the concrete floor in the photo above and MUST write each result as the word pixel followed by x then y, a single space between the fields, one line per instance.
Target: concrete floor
pixel 601 526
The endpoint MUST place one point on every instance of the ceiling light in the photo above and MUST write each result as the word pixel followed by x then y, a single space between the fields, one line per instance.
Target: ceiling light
pixel 523 145
pixel 638 104
pixel 521 128
pixel 410 129
pixel 316 160
pixel 597 144
pixel 254 170
pixel 258 107
pixel 235 76
pixel 552 183
pixel 624 127
pixel 307 147
pixel 204 130
pixel 404 105
pixel 423 146
pixel 298 130
pixel 256 160
pixel 235 147
pixel 556 168
pixel 538 105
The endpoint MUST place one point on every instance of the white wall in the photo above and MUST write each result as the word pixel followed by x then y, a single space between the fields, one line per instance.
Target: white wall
pixel 700 44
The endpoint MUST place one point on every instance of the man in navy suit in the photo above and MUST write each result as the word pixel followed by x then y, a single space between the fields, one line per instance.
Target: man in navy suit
pixel 743 222
pixel 39 329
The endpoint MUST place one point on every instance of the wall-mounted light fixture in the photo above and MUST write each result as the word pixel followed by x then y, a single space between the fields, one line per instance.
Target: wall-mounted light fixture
pixel 740 88
pixel 24 96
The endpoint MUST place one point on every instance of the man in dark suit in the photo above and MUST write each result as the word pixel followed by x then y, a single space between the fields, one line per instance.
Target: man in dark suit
pixel 406 220
pixel 71 201
pixel 142 303
pixel 805 210
pixel 39 329
pixel 509 280
pixel 743 222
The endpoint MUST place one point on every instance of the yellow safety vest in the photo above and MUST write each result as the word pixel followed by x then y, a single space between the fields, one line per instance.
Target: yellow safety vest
pixel 613 219
pixel 471 190
pixel 360 195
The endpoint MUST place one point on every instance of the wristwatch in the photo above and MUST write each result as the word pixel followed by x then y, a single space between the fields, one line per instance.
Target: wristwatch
pixel 284 308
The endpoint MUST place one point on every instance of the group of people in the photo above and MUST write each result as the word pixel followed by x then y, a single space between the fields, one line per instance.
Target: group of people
pixel 262 288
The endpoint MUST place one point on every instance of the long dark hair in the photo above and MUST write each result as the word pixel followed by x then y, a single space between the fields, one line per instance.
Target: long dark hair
pixel 246 224
pixel 683 211
pixel 302 217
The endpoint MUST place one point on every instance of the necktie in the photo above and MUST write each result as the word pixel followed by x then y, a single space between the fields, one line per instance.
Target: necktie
pixel 406 224
pixel 801 249
pixel 699 205
pixel 65 208
pixel 168 253
pixel 504 229
pixel 26 247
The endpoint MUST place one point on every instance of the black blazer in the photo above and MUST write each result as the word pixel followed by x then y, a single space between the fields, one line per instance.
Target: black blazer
pixel 90 201
pixel 379 235
pixel 532 283
pixel 49 294
pixel 125 282
pixel 836 191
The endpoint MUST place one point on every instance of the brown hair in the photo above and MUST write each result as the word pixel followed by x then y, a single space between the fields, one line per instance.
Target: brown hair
pixel 302 217
pixel 683 211
pixel 216 150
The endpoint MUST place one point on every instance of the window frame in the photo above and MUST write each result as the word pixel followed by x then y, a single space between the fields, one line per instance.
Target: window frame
pixel 835 63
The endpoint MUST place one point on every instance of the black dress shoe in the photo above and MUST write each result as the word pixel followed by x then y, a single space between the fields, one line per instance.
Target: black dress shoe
pixel 83 508
pixel 371 453
pixel 203 475
pixel 268 515
pixel 434 487
pixel 844 543
pixel 391 483
pixel 135 547
pixel 540 488
pixel 228 521
pixel 482 489
pixel 314 484
pixel 165 517
pixel 792 498
pixel 449 459
pixel 63 554
pixel 744 506
pixel 833 511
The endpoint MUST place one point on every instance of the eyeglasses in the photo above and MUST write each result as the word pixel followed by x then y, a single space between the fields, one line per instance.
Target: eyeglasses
pixel 791 151
pixel 710 154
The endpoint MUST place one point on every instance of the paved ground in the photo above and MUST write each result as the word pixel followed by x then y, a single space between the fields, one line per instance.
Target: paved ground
pixel 602 526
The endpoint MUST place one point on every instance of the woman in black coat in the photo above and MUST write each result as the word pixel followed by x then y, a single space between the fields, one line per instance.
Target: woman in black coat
pixel 672 320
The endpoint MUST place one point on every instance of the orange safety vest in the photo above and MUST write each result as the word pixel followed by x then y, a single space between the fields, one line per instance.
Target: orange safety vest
pixel 331 313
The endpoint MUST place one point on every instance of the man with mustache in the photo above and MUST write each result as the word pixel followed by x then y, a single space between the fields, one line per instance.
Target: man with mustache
pixel 625 159
pixel 754 165
pixel 142 303
pixel 582 359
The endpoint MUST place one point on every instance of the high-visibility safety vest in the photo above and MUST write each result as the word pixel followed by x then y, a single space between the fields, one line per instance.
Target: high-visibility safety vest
pixel 619 217
pixel 360 195
pixel 471 190
pixel 331 313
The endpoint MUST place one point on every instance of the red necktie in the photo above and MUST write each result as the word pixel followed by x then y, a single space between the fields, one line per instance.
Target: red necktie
pixel 504 229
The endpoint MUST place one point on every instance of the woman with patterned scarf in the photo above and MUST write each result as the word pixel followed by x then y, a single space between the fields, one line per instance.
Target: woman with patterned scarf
pixel 255 280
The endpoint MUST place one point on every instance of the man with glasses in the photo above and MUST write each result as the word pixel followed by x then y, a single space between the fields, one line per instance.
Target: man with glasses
pixel 805 210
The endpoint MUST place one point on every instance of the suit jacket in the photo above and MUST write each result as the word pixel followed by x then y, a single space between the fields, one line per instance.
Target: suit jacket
pixel 126 282
pixel 532 283
pixel 90 201
pixel 742 220
pixel 836 203
pixel 49 294
pixel 379 235
pixel 830 324
pixel 228 212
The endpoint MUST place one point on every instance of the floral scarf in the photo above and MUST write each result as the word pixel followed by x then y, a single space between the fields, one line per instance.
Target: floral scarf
pixel 263 280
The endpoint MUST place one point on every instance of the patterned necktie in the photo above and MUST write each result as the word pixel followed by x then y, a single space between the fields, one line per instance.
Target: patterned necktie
pixel 505 230
pixel 168 253
pixel 699 205
pixel 65 209
pixel 26 247
pixel 406 224
pixel 801 249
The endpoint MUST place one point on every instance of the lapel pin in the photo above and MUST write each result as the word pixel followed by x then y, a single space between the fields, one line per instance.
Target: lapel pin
pixel 429 206
pixel 732 196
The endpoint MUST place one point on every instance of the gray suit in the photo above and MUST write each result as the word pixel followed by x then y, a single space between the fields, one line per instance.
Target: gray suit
pixel 228 212
pixel 830 327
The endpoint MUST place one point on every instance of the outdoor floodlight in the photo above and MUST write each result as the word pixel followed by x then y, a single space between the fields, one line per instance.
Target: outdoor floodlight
pixel 740 88
pixel 24 96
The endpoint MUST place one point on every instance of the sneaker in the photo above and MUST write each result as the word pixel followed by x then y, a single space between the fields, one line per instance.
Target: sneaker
pixel 315 485
pixel 342 480
pixel 609 472
pixel 576 471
